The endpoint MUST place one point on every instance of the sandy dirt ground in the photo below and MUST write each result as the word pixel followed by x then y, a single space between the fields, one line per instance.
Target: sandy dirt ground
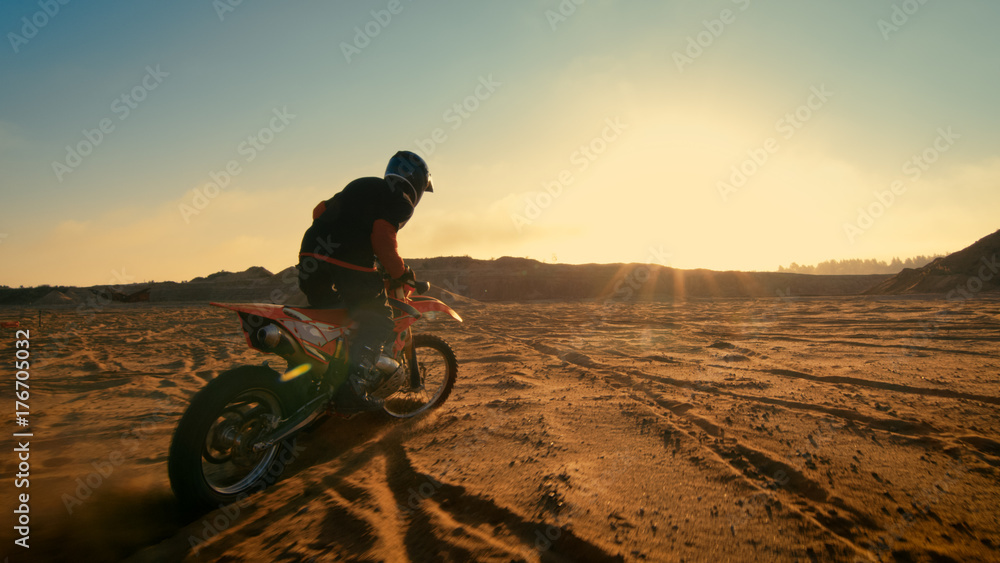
pixel 847 429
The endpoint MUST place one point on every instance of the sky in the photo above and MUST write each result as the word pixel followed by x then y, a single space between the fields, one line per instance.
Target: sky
pixel 153 141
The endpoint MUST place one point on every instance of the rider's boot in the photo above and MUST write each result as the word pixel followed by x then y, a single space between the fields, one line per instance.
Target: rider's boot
pixel 362 379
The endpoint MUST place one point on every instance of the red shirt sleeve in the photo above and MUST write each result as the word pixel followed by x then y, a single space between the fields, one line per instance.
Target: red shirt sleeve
pixel 384 245
pixel 319 210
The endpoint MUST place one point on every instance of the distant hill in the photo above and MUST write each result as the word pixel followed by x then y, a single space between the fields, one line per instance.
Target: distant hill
pixel 960 275
pixel 253 284
pixel 251 273
pixel 858 267
pixel 467 280
pixel 522 279
pixel 25 295
pixel 461 279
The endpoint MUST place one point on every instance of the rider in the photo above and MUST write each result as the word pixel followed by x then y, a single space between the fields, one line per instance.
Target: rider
pixel 338 253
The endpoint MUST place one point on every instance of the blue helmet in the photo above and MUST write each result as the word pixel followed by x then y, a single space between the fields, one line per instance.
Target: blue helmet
pixel 411 168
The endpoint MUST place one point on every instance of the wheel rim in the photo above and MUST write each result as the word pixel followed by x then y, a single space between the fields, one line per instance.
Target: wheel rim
pixel 228 462
pixel 433 367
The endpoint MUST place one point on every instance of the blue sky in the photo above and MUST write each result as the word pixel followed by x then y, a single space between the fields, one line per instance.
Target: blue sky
pixel 532 88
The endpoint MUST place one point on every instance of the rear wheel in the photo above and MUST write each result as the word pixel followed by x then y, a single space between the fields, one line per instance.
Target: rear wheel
pixel 212 457
pixel 437 368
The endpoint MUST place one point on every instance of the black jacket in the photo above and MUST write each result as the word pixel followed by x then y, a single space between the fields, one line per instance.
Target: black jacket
pixel 359 224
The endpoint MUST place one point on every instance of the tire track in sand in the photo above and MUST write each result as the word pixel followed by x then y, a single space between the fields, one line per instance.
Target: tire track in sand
pixel 804 496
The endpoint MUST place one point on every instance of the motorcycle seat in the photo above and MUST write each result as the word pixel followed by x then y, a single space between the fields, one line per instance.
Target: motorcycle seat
pixel 339 316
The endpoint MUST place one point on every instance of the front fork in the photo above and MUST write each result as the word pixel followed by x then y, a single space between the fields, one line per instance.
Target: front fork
pixel 410 354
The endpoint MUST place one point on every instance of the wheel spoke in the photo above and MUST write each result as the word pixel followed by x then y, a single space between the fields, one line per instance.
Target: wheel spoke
pixel 436 365
pixel 229 463
pixel 211 460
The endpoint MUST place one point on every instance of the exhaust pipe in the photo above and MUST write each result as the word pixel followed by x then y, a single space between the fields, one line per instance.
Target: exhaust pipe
pixel 269 336
pixel 272 339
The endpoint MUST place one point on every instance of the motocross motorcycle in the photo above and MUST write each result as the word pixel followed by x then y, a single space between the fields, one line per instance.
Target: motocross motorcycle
pixel 234 436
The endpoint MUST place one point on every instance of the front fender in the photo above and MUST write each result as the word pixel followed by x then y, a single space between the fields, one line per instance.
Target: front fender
pixel 425 304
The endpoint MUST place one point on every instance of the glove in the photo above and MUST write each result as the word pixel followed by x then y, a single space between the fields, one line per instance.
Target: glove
pixel 408 276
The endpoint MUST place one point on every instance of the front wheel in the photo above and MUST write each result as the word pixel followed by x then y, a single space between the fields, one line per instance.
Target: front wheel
pixel 436 368
pixel 212 460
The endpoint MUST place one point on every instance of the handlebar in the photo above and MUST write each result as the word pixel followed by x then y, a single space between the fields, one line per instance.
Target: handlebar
pixel 421 287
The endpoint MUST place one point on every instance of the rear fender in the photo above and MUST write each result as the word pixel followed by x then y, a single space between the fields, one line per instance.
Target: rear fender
pixel 254 316
pixel 309 341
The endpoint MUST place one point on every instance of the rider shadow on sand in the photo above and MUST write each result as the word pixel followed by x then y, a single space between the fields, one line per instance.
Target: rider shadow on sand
pixel 333 439
pixel 374 496
pixel 145 522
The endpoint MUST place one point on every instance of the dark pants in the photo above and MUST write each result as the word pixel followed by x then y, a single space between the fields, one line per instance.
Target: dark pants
pixel 362 293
